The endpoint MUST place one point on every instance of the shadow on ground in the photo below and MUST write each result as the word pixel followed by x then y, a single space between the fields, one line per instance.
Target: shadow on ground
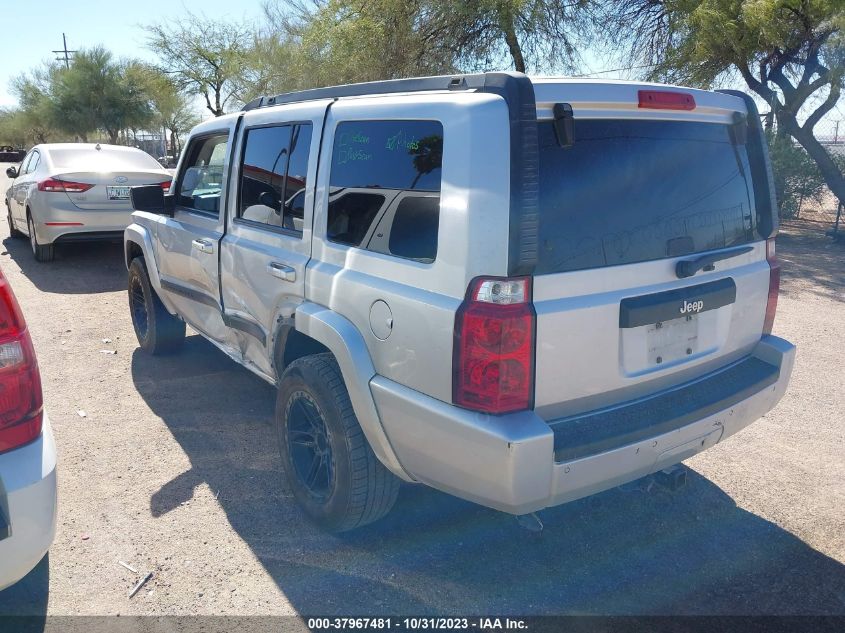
pixel 810 260
pixel 81 268
pixel 618 552
pixel 28 597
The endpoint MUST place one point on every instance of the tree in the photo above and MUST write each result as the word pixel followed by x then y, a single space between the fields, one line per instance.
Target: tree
pixel 789 52
pixel 36 115
pixel 203 56
pixel 525 34
pixel 796 176
pixel 94 93
pixel 325 42
pixel 172 107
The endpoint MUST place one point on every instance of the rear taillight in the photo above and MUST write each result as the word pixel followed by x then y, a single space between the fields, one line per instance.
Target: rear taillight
pixel 67 186
pixel 166 185
pixel 665 100
pixel 20 382
pixel 774 286
pixel 493 364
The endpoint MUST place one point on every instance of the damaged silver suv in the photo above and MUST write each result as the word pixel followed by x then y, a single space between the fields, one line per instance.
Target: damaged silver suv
pixel 518 291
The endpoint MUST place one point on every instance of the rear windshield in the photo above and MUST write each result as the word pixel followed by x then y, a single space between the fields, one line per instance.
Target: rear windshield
pixel 632 191
pixel 105 159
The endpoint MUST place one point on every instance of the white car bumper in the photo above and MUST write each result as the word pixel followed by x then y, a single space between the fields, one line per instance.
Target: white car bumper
pixel 28 506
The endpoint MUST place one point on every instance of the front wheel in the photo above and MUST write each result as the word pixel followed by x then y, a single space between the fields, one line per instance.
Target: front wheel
pixel 332 471
pixel 158 331
pixel 13 231
pixel 41 252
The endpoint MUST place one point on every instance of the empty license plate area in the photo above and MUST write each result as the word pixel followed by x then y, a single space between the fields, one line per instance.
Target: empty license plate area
pixel 665 328
pixel 668 341
pixel 118 193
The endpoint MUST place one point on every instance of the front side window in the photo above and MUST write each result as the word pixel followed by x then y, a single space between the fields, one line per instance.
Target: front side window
pixel 33 162
pixel 273 175
pixel 384 191
pixel 201 181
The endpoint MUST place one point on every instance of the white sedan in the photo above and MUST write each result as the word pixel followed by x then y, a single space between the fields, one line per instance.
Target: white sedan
pixel 27 450
pixel 63 192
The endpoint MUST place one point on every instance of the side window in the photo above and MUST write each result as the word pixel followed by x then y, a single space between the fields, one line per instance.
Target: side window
pixel 300 147
pixel 201 180
pixel 25 163
pixel 273 175
pixel 387 174
pixel 32 165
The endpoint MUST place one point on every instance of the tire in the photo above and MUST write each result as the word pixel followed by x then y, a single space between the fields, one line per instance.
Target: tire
pixel 12 230
pixel 158 331
pixel 41 252
pixel 319 435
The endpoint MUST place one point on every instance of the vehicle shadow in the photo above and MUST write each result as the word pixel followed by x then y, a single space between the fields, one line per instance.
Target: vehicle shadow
pixel 81 268
pixel 28 598
pixel 810 261
pixel 635 552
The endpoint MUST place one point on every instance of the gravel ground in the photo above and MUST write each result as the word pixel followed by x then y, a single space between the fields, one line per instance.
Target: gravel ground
pixel 174 469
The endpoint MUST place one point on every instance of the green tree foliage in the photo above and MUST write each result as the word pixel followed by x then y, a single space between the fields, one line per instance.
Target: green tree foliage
pixel 797 178
pixel 35 115
pixel 172 107
pixel 324 42
pixel 204 56
pixel 97 93
pixel 790 52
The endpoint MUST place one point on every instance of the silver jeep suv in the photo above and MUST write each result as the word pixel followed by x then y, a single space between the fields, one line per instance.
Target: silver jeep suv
pixel 518 291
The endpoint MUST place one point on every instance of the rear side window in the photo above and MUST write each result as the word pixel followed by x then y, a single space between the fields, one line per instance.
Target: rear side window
pixel 632 191
pixel 385 187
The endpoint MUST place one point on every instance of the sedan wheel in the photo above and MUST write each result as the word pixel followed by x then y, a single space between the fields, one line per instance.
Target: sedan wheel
pixel 42 253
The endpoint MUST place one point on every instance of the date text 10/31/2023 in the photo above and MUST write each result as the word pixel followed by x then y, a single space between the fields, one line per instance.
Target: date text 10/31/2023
pixel 417 623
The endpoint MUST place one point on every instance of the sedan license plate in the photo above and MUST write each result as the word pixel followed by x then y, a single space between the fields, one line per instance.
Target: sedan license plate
pixel 672 340
pixel 118 193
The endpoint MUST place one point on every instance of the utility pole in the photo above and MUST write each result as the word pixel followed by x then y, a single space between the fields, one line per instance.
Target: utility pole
pixel 65 53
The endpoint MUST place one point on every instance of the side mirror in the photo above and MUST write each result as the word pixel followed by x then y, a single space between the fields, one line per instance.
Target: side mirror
pixel 151 198
pixel 12 172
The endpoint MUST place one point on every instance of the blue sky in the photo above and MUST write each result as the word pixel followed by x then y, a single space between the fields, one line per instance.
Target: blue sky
pixel 31 29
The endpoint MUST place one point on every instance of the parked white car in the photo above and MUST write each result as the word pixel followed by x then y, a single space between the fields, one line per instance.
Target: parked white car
pixel 64 192
pixel 27 450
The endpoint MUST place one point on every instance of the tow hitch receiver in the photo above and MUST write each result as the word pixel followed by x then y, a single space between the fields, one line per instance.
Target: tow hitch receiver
pixel 672 478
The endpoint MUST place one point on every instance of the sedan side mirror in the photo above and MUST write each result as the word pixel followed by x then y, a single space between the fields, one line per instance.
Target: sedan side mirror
pixel 151 198
pixel 12 172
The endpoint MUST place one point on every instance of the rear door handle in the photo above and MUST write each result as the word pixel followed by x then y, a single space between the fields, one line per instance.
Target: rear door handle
pixel 203 246
pixel 282 271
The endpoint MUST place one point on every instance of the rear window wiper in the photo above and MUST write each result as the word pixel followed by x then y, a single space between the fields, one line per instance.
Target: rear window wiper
pixel 688 267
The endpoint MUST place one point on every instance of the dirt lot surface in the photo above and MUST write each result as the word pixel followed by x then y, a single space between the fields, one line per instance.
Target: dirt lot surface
pixel 174 469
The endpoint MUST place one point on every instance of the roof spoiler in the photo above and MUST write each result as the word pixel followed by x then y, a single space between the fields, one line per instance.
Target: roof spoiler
pixel 761 168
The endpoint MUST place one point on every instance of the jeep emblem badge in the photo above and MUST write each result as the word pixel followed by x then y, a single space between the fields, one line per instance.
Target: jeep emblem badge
pixel 692 306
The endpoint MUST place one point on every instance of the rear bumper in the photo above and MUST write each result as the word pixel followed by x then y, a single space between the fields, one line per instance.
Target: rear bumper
pixel 61 221
pixel 519 463
pixel 28 505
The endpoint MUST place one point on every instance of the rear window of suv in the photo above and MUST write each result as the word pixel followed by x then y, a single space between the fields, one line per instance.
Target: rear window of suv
pixel 631 191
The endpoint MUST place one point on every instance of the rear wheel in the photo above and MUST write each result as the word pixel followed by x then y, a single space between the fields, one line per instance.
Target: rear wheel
pixel 42 252
pixel 333 472
pixel 158 331
pixel 13 231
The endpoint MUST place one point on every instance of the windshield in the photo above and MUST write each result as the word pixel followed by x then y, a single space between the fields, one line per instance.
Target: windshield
pixel 632 190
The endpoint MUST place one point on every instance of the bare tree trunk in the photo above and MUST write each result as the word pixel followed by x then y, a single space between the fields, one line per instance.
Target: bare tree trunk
pixel 506 23
pixel 827 167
